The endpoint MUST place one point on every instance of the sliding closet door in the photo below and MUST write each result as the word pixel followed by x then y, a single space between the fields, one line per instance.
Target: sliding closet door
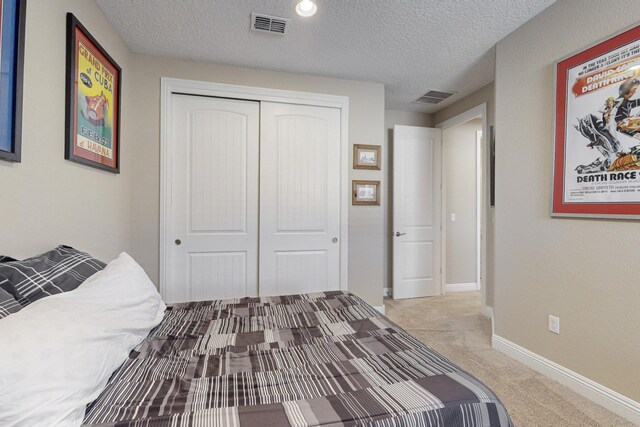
pixel 299 199
pixel 213 241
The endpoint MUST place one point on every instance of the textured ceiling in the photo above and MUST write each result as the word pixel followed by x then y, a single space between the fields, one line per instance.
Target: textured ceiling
pixel 409 45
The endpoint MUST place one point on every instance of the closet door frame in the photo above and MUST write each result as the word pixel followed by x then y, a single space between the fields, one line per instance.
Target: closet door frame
pixel 171 86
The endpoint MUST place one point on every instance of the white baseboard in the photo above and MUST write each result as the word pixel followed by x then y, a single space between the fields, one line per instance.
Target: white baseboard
pixel 386 292
pixel 460 287
pixel 380 308
pixel 613 401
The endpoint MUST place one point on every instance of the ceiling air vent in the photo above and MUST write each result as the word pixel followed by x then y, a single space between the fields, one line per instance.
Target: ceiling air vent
pixel 268 24
pixel 433 97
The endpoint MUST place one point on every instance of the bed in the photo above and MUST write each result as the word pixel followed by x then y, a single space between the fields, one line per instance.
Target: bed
pixel 93 344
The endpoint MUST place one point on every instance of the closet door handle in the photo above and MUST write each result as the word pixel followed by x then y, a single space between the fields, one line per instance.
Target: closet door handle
pixel 334 240
pixel 178 242
pixel 398 234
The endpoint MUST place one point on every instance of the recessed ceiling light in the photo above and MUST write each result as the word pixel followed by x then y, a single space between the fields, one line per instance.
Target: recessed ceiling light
pixel 306 8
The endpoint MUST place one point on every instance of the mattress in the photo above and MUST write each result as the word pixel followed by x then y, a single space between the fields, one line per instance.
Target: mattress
pixel 315 359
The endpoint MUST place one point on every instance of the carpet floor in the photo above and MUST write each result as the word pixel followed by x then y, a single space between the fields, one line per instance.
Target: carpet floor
pixel 453 325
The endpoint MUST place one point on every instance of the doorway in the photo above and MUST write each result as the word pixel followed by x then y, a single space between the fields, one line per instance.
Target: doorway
pixel 464 202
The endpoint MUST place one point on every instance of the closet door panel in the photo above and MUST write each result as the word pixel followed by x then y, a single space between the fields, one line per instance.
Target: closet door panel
pixel 214 199
pixel 299 199
pixel 301 271
pixel 217 172
pixel 223 272
pixel 302 174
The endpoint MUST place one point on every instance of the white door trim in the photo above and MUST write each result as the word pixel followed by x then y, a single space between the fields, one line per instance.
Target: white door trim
pixel 169 86
pixel 456 120
pixel 479 215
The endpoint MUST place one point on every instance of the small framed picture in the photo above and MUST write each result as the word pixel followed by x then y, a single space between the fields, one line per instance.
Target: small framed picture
pixel 94 84
pixel 366 156
pixel 366 193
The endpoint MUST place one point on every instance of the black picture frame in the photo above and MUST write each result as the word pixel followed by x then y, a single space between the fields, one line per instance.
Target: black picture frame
pixel 91 155
pixel 12 59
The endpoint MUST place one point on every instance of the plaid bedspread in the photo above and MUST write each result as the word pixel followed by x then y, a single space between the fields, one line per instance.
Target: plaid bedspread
pixel 317 359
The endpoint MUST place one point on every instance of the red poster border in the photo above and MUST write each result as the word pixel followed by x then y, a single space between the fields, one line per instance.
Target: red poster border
pixel 582 209
pixel 77 33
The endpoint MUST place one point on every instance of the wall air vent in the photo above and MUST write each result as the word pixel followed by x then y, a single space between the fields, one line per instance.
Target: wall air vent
pixel 268 24
pixel 433 97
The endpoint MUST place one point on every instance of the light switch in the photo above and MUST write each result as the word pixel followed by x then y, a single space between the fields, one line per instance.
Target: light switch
pixel 453 217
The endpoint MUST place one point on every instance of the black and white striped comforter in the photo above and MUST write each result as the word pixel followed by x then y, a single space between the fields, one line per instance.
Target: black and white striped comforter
pixel 315 359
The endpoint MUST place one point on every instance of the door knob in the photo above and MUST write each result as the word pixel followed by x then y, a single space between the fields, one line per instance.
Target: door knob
pixel 178 242
pixel 398 234
pixel 334 240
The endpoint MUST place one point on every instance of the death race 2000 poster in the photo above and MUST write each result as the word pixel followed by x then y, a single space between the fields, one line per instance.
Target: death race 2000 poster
pixel 597 139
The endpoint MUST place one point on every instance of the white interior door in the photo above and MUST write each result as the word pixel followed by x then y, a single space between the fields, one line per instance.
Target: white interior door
pixel 213 236
pixel 299 199
pixel 417 155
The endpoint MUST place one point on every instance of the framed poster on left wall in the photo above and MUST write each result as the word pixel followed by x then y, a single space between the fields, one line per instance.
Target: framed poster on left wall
pixel 94 84
pixel 12 22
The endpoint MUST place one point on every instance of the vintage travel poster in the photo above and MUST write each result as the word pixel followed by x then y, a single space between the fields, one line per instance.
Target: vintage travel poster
pixel 95 101
pixel 597 135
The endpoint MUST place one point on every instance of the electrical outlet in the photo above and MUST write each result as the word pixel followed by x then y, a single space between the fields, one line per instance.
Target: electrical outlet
pixel 554 324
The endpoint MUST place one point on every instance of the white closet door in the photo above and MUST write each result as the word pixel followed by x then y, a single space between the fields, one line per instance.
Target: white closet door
pixel 299 199
pixel 213 241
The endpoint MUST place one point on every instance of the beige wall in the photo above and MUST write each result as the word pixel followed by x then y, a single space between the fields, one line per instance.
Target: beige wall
pixel 48 200
pixel 584 271
pixel 485 95
pixel 366 120
pixel 391 118
pixel 459 197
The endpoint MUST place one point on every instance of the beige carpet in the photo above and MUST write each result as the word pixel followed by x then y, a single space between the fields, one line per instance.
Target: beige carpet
pixel 452 324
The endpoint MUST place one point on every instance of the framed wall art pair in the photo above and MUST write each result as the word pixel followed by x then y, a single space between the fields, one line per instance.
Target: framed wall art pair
pixel 366 193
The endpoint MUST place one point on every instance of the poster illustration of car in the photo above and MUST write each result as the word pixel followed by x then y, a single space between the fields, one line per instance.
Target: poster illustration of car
pixel 597 130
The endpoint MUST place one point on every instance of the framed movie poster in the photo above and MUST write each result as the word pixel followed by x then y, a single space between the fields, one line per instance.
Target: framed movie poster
pixel 596 165
pixel 12 21
pixel 94 84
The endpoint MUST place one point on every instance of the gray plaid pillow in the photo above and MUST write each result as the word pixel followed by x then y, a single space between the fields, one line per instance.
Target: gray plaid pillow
pixel 60 270
pixel 8 304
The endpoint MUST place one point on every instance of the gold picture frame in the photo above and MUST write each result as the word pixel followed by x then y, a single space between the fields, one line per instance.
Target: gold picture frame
pixel 367 156
pixel 365 193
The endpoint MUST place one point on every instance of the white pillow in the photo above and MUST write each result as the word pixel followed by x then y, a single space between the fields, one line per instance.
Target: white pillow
pixel 57 353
